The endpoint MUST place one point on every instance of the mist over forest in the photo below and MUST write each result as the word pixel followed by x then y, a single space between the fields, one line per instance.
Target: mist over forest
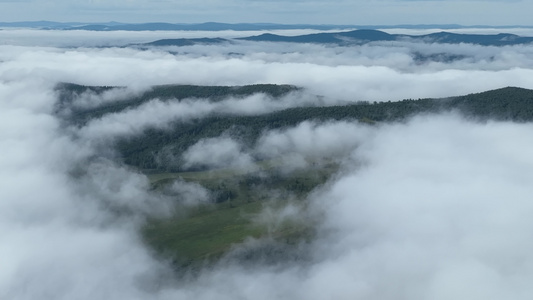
pixel 245 169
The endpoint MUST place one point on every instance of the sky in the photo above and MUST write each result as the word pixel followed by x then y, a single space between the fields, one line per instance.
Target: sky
pixel 358 12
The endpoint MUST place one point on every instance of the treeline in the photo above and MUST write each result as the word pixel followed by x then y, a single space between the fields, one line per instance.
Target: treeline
pixel 68 93
pixel 161 149
pixel 506 104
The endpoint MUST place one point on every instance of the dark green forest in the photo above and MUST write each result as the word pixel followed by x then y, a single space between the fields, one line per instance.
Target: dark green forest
pixel 510 103
pixel 68 92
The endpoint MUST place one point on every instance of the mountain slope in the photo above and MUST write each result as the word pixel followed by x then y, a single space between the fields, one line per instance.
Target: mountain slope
pixel 192 238
pixel 512 104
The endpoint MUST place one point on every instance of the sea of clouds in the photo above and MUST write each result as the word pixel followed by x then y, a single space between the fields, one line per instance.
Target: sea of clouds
pixel 438 207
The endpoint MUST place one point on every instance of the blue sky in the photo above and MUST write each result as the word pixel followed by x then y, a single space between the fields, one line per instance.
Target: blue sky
pixel 372 12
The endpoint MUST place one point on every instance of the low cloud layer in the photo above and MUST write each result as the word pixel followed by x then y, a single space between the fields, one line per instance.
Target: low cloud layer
pixel 437 213
pixel 437 207
pixel 310 143
pixel 375 72
pixel 57 240
pixel 161 114
pixel 217 153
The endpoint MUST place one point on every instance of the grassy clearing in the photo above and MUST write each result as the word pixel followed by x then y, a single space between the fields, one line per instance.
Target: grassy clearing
pixel 205 233
pixel 214 174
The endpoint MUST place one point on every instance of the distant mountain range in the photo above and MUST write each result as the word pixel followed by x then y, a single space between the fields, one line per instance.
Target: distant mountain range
pixel 214 26
pixel 362 36
pixel 159 26
pixel 187 42
pixel 367 35
pixel 210 26
pixel 50 25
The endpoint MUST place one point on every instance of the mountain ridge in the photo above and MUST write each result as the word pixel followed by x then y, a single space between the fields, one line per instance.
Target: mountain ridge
pixel 363 36
pixel 504 104
pixel 359 37
pixel 217 26
pixel 192 238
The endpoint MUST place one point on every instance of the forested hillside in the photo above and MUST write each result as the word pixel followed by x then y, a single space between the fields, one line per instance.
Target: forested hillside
pixel 509 103
pixel 68 92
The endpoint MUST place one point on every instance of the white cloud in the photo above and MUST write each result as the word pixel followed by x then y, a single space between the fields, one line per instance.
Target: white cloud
pixel 161 114
pixel 438 196
pixel 310 143
pixel 217 153
pixel 56 242
pixel 372 72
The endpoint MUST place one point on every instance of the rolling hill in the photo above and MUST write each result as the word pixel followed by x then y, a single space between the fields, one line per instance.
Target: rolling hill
pixel 514 104
pixel 196 237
